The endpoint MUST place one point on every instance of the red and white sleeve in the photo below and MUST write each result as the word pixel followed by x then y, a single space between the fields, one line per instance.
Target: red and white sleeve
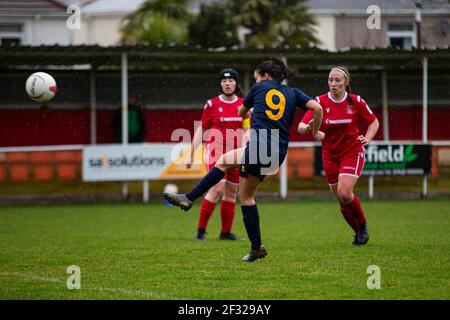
pixel 207 115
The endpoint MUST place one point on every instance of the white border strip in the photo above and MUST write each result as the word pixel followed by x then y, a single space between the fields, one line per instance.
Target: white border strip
pixel 303 144
pixel 294 144
pixel 231 182
pixel 43 148
pixel 357 163
pixel 348 174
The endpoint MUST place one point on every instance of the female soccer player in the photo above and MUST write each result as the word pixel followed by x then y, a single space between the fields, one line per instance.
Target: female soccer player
pixel 342 146
pixel 274 106
pixel 220 115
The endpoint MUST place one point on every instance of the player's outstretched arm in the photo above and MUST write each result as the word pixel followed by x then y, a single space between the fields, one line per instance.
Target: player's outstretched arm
pixel 317 118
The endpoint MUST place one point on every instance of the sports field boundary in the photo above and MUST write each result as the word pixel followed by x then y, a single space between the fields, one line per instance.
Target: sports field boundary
pixel 57 198
pixel 28 277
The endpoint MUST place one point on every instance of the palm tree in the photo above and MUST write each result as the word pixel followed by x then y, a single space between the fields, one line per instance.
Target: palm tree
pixel 157 22
pixel 274 23
pixel 213 28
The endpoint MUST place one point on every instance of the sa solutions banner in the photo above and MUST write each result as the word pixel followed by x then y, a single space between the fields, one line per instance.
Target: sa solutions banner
pixel 147 161
pixel 389 160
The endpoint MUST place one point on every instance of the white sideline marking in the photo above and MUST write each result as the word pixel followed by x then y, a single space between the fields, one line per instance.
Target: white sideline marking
pixel 33 277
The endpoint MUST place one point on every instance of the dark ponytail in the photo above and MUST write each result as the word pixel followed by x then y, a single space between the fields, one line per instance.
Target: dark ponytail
pixel 276 68
pixel 349 91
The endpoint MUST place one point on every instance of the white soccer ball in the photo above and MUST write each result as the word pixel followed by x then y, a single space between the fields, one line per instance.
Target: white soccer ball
pixel 41 87
pixel 171 188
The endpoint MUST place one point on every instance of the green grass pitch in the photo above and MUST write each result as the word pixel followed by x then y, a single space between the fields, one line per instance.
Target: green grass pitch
pixel 136 251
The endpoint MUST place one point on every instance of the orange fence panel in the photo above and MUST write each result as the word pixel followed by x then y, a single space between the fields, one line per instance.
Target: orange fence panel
pixel 41 157
pixel 2 173
pixel 19 172
pixel 65 156
pixel 43 172
pixel 67 171
pixel 17 157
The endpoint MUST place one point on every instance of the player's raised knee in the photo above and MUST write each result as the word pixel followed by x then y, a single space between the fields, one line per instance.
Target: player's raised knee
pixel 345 196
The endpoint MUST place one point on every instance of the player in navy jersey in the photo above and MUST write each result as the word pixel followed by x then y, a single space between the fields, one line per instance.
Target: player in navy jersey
pixel 274 106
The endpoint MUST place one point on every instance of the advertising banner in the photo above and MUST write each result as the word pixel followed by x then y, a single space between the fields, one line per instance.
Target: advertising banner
pixel 148 161
pixel 389 160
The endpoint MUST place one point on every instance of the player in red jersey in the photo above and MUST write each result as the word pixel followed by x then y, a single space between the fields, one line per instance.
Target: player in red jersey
pixel 342 145
pixel 223 130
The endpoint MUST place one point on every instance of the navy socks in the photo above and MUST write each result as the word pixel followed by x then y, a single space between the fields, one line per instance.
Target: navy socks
pixel 251 222
pixel 209 180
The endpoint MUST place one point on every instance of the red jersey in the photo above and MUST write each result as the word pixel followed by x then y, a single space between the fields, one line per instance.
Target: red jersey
pixel 339 123
pixel 223 115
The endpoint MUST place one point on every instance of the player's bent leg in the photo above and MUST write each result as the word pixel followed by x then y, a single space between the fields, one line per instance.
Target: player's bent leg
pixel 250 214
pixel 346 184
pixel 332 169
pixel 230 160
pixel 345 193
pixel 345 210
pixel 226 162
pixel 185 201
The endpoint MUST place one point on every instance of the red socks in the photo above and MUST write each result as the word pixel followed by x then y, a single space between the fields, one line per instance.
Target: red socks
pixel 206 211
pixel 227 211
pixel 353 213
pixel 358 211
pixel 348 216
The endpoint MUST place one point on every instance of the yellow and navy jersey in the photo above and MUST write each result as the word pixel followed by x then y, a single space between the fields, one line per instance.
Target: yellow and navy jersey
pixel 246 123
pixel 274 106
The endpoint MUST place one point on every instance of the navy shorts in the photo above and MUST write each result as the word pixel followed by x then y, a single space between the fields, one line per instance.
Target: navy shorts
pixel 254 167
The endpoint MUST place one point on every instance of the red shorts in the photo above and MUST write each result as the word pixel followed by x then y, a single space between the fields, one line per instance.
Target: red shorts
pixel 232 176
pixel 212 155
pixel 350 165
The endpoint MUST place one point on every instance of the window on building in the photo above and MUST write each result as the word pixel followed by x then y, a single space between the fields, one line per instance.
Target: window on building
pixel 402 35
pixel 11 34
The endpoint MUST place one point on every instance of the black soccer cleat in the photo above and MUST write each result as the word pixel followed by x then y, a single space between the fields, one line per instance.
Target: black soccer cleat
pixel 200 235
pixel 178 200
pixel 355 242
pixel 255 254
pixel 228 236
pixel 363 234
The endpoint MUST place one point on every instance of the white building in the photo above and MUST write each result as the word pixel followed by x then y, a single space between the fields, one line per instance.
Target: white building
pixel 340 24
pixel 44 22
pixel 344 24
pixel 33 23
pixel 101 21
